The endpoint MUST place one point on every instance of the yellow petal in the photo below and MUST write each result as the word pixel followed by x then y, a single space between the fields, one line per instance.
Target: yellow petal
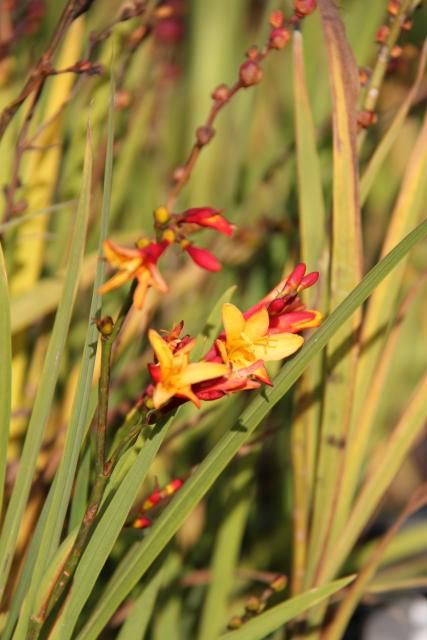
pixel 257 325
pixel 161 395
pixel 278 346
pixel 187 392
pixel 114 282
pixel 234 322
pixel 117 255
pixel 161 349
pixel 199 371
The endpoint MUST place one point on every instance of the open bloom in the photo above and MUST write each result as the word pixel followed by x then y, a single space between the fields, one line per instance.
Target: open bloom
pixel 174 374
pixel 139 263
pixel 250 341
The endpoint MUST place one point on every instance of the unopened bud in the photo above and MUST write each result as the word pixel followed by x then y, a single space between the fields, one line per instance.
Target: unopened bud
pixel 382 34
pixel 253 605
pixel 235 623
pixel 161 215
pixel 303 8
pixel 169 236
pixel 250 73
pixel 221 93
pixel 363 76
pixel 105 326
pixel 393 7
pixel 179 174
pixel 253 52
pixel 149 403
pixel 407 24
pixel 142 242
pixel 279 583
pixel 204 134
pixel 366 118
pixel 396 51
pixel 279 38
pixel 277 19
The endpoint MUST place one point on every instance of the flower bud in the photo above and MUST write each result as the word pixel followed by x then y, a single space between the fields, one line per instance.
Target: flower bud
pixel 169 236
pixel 396 51
pixel 201 257
pixel 204 134
pixel 161 215
pixel 142 242
pixel 279 38
pixel 221 93
pixel 253 605
pixel 235 623
pixel 250 73
pixel 382 34
pixel 303 8
pixel 363 76
pixel 179 173
pixel 252 53
pixel 279 583
pixel 277 19
pixel 393 7
pixel 366 118
pixel 105 326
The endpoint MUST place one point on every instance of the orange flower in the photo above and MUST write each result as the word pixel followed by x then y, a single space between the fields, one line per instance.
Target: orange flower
pixel 139 263
pixel 176 374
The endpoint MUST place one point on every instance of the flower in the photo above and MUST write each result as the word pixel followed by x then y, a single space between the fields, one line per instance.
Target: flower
pixel 140 263
pixel 202 257
pixel 250 341
pixel 206 217
pixel 174 374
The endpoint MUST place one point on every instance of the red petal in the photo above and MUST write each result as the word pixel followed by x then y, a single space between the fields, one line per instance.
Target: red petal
pixel 203 258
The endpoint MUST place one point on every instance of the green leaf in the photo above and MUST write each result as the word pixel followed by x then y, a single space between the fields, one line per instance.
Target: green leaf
pixel 136 623
pixel 134 565
pixel 81 409
pixel 346 270
pixel 260 626
pixel 48 379
pixel 6 373
pixel 235 507
pixel 106 533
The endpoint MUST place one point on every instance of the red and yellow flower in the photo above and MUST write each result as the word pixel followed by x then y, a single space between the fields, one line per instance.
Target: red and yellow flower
pixel 138 263
pixel 175 375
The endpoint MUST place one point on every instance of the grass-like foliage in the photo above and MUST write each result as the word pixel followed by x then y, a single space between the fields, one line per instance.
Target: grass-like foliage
pixel 210 437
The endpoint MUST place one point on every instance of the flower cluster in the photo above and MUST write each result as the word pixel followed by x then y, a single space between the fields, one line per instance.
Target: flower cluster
pixel 140 262
pixel 266 332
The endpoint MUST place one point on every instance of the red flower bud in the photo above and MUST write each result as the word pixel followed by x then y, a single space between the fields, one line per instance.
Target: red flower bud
pixel 250 73
pixel 202 257
pixel 309 280
pixel 277 19
pixel 382 34
pixel 279 38
pixel 294 279
pixel 221 93
pixel 304 7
